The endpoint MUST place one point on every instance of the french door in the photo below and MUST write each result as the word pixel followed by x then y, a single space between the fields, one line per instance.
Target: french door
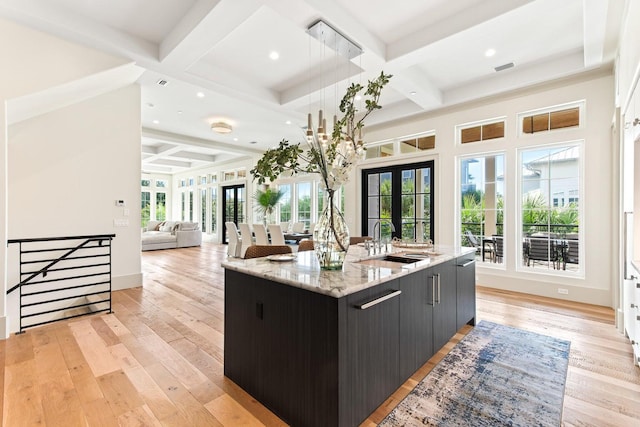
pixel 233 206
pixel 401 195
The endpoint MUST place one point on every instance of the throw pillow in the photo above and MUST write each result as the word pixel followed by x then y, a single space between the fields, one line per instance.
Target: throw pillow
pixel 168 226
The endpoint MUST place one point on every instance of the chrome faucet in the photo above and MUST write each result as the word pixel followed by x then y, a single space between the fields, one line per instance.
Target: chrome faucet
pixel 378 241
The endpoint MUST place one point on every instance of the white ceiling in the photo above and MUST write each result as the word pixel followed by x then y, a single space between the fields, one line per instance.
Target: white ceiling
pixel 434 48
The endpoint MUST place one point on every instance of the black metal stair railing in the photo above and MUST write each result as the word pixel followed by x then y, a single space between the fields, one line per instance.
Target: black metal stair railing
pixel 63 277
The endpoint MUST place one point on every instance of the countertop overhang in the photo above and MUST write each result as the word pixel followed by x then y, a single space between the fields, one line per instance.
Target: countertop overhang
pixel 304 271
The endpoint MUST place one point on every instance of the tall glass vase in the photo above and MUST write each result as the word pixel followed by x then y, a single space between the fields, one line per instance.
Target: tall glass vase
pixel 331 236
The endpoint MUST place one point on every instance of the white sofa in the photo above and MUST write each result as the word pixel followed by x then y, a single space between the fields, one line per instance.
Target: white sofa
pixel 170 234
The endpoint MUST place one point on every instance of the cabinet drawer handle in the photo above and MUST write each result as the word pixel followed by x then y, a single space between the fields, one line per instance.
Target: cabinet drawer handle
pixel 466 264
pixel 433 290
pixel 379 300
pixel 438 301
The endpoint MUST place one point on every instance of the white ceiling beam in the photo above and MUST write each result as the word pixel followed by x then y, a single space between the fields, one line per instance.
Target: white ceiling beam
pixel 48 16
pixel 57 97
pixel 167 162
pixel 197 142
pixel 207 23
pixel 594 30
pixel 194 156
pixel 517 78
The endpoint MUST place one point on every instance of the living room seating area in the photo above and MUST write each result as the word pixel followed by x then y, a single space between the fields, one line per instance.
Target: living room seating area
pixel 170 235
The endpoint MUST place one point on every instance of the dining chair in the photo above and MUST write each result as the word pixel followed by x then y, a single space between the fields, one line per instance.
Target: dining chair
pixel 354 240
pixel 261 234
pixel 312 226
pixel 277 237
pixel 298 227
pixel 234 240
pixel 285 226
pixel 247 237
pixel 258 251
pixel 305 245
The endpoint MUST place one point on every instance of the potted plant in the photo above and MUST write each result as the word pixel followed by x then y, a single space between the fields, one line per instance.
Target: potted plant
pixel 332 155
pixel 266 201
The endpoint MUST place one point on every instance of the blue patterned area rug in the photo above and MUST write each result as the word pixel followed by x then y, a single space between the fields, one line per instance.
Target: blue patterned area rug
pixel 495 376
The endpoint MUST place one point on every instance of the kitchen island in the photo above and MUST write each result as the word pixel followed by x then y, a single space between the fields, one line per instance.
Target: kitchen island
pixel 326 348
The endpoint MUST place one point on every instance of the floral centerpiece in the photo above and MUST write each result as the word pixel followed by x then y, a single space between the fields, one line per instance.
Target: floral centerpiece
pixel 331 155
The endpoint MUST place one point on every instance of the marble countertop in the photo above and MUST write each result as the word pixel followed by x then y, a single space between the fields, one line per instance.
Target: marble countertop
pixel 304 271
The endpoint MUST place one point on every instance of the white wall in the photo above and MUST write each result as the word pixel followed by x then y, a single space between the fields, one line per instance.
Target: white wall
pixel 33 63
pixel 599 173
pixel 68 167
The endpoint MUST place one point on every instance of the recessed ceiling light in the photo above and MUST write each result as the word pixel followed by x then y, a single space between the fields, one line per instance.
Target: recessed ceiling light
pixel 413 93
pixel 489 53
pixel 156 121
pixel 200 95
pixel 274 55
pixel 358 98
pixel 179 111
pixel 288 122
pixel 235 139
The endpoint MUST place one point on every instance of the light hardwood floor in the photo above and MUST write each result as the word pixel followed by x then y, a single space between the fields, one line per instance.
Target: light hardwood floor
pixel 158 359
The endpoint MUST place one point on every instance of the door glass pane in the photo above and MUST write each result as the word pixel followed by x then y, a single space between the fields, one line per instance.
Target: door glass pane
pixel 408 210
pixel 285 203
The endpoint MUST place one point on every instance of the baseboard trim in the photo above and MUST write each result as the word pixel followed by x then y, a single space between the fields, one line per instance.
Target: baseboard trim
pixel 4 328
pixel 125 282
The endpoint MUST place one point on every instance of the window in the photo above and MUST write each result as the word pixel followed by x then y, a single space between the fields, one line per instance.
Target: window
pixel 480 131
pixel 304 203
pixel 161 206
pixel 145 183
pixel 161 183
pixel 382 150
pixel 550 220
pixel 320 200
pixel 482 206
pixel 285 203
pixel 413 145
pixel 213 192
pixel 401 195
pixel 145 206
pixel 552 118
pixel 203 209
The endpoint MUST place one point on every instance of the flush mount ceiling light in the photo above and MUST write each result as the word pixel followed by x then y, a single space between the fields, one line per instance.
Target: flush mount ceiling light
pixel 221 127
pixel 489 53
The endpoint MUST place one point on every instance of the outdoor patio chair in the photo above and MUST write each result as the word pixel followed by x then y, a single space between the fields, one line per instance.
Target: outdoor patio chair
pixel 570 253
pixel 480 248
pixel 542 249
pixel 498 248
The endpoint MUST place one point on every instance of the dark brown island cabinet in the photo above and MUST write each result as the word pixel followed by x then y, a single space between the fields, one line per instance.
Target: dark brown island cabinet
pixel 318 360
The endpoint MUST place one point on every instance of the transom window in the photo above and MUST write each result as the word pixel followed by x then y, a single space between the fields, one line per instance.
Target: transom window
pixel 480 131
pixel 551 118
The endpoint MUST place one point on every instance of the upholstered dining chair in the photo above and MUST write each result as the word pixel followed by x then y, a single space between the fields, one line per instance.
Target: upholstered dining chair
pixel 261 234
pixel 354 240
pixel 257 251
pixel 277 237
pixel 247 237
pixel 305 245
pixel 298 227
pixel 234 245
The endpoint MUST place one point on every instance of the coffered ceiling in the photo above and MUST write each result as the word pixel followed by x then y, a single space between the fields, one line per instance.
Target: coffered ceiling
pixel 221 50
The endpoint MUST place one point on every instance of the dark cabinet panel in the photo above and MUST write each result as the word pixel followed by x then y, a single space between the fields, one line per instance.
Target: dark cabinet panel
pixel 416 325
pixel 466 284
pixel 444 310
pixel 372 348
pixel 280 347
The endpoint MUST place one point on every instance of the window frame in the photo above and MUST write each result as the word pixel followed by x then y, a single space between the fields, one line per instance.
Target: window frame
pixel 480 123
pixel 580 104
